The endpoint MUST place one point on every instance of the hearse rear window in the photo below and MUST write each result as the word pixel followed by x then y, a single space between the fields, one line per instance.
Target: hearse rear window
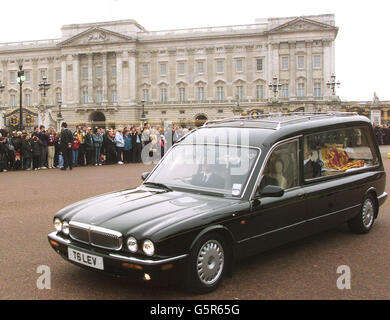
pixel 338 151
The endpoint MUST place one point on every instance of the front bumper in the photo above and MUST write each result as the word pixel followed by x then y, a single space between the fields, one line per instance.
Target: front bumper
pixel 382 198
pixel 115 263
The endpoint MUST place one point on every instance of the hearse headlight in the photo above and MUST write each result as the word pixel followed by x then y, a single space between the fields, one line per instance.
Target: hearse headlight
pixel 132 244
pixel 148 248
pixel 65 227
pixel 57 224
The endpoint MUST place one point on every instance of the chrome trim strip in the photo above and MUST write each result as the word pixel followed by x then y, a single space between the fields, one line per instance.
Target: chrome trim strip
pixel 298 223
pixel 148 262
pixel 383 195
pixel 54 236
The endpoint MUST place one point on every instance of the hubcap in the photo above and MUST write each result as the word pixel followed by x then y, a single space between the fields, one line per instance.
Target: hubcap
pixel 368 213
pixel 210 262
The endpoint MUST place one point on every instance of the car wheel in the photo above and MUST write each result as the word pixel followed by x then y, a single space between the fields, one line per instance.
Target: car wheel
pixel 364 221
pixel 207 263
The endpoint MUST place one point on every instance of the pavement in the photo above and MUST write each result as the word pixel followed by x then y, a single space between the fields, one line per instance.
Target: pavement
pixel 305 269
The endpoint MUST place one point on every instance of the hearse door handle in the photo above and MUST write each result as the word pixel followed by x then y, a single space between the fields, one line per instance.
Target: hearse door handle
pixel 301 194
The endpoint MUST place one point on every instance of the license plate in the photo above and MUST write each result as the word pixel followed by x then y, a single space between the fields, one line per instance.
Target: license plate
pixel 86 259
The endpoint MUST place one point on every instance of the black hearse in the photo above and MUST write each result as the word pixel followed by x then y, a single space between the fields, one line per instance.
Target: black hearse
pixel 227 190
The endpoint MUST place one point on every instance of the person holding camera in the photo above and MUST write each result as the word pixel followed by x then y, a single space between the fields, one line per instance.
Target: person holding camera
pixel 26 151
pixel 36 152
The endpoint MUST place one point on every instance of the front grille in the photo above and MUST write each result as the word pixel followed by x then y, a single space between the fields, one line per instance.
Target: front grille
pixel 96 236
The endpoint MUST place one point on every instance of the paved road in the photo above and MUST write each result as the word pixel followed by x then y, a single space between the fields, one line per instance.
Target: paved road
pixel 305 269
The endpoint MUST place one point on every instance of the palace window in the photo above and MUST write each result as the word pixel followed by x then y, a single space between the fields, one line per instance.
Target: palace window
pixel 12 77
pixel 98 72
pixel 146 94
pixel 259 64
pixel 239 65
pixel 317 89
pixel 163 95
pixel 301 62
pixel 58 97
pixel 85 96
pixel 182 94
pixel 163 69
pixel 180 68
pixel 28 99
pixel 27 74
pixel 13 101
pixel 84 72
pixel 114 96
pixel 285 90
pixel 239 92
pixel 200 93
pixel 284 63
pixel 200 67
pixel 220 93
pixel 58 75
pixel 113 71
pixel 317 62
pixel 260 91
pixel 220 66
pixel 43 73
pixel 145 69
pixel 301 89
pixel 99 97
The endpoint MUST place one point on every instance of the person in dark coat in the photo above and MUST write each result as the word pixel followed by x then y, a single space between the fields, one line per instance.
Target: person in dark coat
pixel 89 149
pixel 36 145
pixel 3 154
pixel 137 145
pixel 26 152
pixel 66 141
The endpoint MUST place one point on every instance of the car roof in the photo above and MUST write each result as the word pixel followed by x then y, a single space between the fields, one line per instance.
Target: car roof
pixel 268 129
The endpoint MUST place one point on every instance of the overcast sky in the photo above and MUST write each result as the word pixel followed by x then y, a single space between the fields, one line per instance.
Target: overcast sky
pixel 362 44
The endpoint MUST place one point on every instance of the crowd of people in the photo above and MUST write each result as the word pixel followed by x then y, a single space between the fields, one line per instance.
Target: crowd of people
pixel 86 146
pixel 382 134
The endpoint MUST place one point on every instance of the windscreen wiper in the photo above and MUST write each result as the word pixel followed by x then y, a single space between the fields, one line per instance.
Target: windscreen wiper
pixel 159 185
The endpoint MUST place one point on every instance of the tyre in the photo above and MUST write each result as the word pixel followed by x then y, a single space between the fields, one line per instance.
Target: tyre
pixel 207 263
pixel 364 221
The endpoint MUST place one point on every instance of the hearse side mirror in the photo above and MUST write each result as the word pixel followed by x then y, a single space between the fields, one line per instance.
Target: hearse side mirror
pixel 272 191
pixel 145 175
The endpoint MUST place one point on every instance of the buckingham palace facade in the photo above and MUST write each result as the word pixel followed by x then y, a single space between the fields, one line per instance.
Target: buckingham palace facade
pixel 116 71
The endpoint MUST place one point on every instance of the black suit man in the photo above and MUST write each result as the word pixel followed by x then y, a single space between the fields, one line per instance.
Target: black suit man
pixel 66 141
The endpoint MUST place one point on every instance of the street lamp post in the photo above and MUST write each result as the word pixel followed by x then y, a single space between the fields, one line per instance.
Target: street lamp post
pixel 20 79
pixel 275 87
pixel 44 85
pixel 143 116
pixel 332 84
pixel 237 110
pixel 59 115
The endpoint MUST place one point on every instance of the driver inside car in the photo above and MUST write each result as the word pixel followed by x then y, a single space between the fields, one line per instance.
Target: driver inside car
pixel 206 177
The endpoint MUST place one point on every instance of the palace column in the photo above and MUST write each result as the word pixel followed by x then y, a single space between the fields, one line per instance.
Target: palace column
pixel 132 76
pixel 104 82
pixel 76 79
pixel 326 66
pixel 293 74
pixel 309 68
pixel 64 81
pixel 119 77
pixel 90 77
